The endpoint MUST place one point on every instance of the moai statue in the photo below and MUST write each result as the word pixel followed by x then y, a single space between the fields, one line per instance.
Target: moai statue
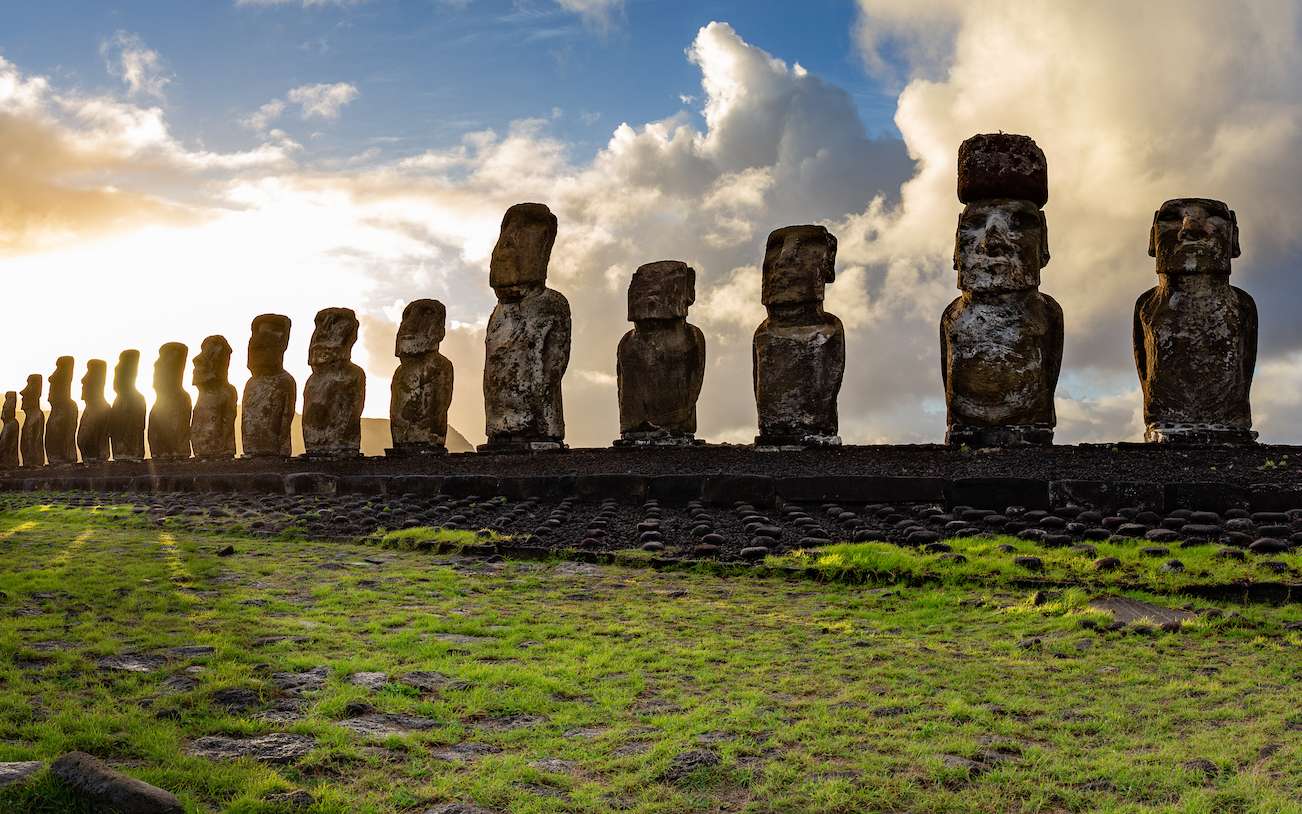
pixel 61 426
pixel 169 418
pixel 798 353
pixel 31 439
pixel 271 394
pixel 93 432
pixel 212 423
pixel 127 418
pixel 1001 340
pixel 1195 335
pixel 528 340
pixel 421 391
pixel 660 364
pixel 9 432
pixel 336 390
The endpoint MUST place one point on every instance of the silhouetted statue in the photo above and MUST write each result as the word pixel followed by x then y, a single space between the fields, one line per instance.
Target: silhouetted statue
pixel 421 390
pixel 528 340
pixel 271 394
pixel 9 432
pixel 212 424
pixel 1001 340
pixel 93 432
pixel 169 419
pixel 1195 335
pixel 61 426
pixel 336 390
pixel 127 419
pixel 660 364
pixel 798 353
pixel 31 439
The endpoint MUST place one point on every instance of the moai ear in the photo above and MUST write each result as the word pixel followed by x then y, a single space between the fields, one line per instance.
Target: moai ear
pixel 1152 237
pixel 957 233
pixel 1044 240
pixel 1234 235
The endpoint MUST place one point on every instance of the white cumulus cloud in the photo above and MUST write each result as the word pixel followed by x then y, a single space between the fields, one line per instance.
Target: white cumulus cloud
pixel 138 66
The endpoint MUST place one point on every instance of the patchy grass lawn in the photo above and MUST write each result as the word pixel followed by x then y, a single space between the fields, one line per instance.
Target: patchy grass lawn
pixel 560 687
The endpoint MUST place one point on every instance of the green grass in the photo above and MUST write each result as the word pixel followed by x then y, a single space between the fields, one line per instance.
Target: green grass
pixel 817 697
pixel 424 538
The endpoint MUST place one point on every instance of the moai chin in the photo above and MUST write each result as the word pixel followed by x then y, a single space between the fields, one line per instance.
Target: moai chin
pixel 660 364
pixel 127 416
pixel 1195 335
pixel 61 425
pixel 31 438
pixel 421 390
pixel 212 422
pixel 1001 339
pixel 93 431
pixel 527 345
pixel 336 390
pixel 169 418
pixel 9 432
pixel 271 394
pixel 798 352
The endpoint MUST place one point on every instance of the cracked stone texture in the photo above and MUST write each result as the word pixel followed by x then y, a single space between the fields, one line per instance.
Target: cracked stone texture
pixel 336 391
pixel 421 390
pixel 169 418
pixel 61 425
pixel 277 747
pixel 212 422
pixel 17 772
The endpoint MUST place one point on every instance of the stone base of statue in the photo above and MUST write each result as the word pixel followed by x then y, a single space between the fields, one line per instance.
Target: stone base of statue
pixel 207 458
pixel 170 457
pixel 332 454
pixel 127 459
pixel 644 439
pixel 1199 434
pixel 794 443
pixel 1013 435
pixel 264 456
pixel 517 444
pixel 415 450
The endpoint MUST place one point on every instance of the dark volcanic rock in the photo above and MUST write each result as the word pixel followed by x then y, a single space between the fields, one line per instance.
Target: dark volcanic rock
pixel 108 790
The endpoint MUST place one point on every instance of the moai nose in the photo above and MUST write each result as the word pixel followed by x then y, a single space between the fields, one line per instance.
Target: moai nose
pixel 1192 228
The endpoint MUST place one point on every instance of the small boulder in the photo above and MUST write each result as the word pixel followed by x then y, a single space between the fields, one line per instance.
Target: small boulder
pixel 109 790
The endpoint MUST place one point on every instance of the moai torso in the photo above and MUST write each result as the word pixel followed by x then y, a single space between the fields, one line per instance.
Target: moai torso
pixel 1195 335
pixel 798 352
pixel 127 417
pixel 421 390
pixel 31 440
pixel 270 394
pixel 1001 341
pixel 212 422
pixel 527 346
pixel 61 426
pixel 169 419
pixel 336 390
pixel 660 364
pixel 93 431
pixel 9 432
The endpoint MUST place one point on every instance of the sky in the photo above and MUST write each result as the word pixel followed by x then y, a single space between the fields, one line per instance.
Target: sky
pixel 168 170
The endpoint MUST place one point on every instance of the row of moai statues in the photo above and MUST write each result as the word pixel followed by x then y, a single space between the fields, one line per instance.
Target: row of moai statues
pixel 1001 347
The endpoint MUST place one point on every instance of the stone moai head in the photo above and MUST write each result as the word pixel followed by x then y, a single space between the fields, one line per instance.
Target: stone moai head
pixel 524 247
pixel 423 326
pixel 267 344
pixel 61 378
pixel 92 384
pixel 32 393
pixel 169 370
pixel 124 375
pixel 1002 241
pixel 333 338
pixel 661 290
pixel 1194 236
pixel 10 410
pixel 798 262
pixel 212 363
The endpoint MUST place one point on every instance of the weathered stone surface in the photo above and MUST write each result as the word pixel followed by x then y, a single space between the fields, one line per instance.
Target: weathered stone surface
pixel 17 772
pixel 108 790
pixel 271 394
pixel 383 725
pixel 93 431
pixel 1001 340
pixel 212 423
pixel 527 345
pixel 127 417
pixel 31 439
pixel 798 352
pixel 9 432
pixel 660 364
pixel 278 747
pixel 61 426
pixel 169 418
pixel 1195 335
pixel 336 390
pixel 421 390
